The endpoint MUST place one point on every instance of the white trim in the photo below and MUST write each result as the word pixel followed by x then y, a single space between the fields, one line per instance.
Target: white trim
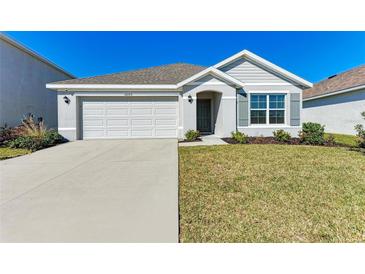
pixel 246 84
pixel 66 128
pixel 214 72
pixel 126 94
pixel 107 87
pixel 261 61
pixel 269 126
pixel 269 91
pixel 334 93
pixel 229 97
pixel 268 84
pixel 33 54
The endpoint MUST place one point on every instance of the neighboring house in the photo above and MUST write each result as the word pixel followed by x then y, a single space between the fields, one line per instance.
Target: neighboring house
pixel 337 102
pixel 243 92
pixel 23 78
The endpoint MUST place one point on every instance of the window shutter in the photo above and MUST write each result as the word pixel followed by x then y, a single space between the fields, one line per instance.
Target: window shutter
pixel 295 109
pixel 242 108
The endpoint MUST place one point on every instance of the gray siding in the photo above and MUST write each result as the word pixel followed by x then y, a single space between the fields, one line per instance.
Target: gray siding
pixel 338 113
pixel 242 101
pixel 295 109
pixel 23 90
pixel 248 72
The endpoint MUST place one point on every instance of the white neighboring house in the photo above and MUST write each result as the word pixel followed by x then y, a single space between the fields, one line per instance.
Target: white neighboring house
pixel 23 78
pixel 337 102
pixel 243 92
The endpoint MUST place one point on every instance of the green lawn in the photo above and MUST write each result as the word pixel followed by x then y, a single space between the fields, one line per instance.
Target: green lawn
pixel 271 193
pixel 6 153
pixel 348 140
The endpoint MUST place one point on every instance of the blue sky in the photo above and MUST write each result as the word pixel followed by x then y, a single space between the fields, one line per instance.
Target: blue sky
pixel 311 55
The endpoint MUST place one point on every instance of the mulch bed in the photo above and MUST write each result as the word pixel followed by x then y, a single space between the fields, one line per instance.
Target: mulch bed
pixel 271 140
pixel 186 141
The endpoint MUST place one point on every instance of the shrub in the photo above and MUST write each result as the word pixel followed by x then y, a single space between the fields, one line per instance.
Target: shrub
pixel 282 136
pixel 6 134
pixel 192 135
pixel 312 134
pixel 331 140
pixel 33 143
pixel 240 137
pixel 361 133
pixel 31 128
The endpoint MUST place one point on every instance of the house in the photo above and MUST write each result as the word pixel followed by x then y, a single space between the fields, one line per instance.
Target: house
pixel 243 92
pixel 337 102
pixel 23 76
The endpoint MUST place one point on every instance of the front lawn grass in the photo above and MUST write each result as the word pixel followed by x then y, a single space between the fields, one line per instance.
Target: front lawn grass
pixel 343 139
pixel 271 193
pixel 6 153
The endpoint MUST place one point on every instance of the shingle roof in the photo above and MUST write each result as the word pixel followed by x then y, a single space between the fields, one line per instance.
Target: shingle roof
pixel 159 75
pixel 348 79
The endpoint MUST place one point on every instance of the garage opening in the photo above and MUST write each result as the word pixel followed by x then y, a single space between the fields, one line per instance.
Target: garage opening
pixel 129 117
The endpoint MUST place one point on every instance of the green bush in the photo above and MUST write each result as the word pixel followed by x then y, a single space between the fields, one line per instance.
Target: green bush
pixel 312 134
pixel 192 135
pixel 240 137
pixel 330 140
pixel 281 135
pixel 360 133
pixel 33 143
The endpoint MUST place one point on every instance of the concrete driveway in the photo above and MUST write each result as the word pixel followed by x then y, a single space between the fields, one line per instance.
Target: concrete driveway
pixel 92 191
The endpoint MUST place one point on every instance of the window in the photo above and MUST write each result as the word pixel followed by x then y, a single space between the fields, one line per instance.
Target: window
pixel 258 109
pixel 277 109
pixel 267 109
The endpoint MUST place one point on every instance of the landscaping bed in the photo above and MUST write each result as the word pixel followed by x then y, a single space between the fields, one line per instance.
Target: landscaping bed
pixel 190 141
pixel 273 141
pixel 31 135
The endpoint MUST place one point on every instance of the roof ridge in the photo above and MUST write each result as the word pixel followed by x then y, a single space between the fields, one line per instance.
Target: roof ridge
pixel 139 69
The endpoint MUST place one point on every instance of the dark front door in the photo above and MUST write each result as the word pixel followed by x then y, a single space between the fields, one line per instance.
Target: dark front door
pixel 204 115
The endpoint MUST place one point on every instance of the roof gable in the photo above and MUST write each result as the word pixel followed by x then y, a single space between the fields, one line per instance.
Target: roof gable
pixel 248 72
pixel 255 59
pixel 214 72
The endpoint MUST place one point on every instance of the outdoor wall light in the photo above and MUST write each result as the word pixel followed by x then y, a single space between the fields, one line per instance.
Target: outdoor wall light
pixel 66 99
pixel 190 99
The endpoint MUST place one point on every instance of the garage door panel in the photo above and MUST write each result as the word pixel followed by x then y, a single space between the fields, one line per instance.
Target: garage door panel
pixel 166 122
pixel 141 122
pixel 140 111
pixel 142 132
pixel 116 111
pixel 117 122
pixel 118 133
pixel 170 110
pixel 93 112
pixel 129 117
pixel 165 132
pixel 93 123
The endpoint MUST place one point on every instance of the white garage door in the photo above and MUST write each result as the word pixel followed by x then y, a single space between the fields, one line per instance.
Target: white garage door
pixel 130 118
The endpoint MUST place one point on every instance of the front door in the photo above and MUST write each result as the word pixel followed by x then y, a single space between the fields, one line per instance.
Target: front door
pixel 204 116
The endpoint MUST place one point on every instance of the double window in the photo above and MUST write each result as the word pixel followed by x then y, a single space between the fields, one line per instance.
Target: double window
pixel 267 109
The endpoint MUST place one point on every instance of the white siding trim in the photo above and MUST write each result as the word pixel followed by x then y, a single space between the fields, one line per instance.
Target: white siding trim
pixel 66 128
